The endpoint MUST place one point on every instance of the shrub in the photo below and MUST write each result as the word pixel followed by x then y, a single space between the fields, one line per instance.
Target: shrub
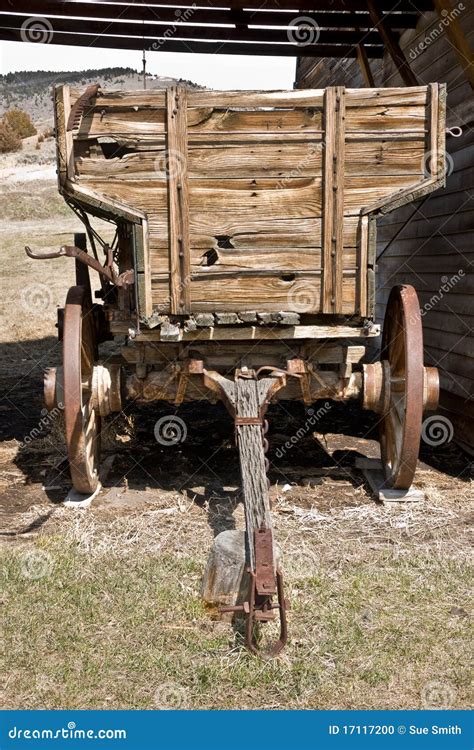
pixel 20 122
pixel 9 140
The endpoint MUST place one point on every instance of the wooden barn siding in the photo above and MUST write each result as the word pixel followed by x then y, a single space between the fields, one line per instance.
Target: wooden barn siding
pixel 438 242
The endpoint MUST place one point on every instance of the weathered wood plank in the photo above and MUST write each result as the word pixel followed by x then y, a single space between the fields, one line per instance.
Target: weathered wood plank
pixel 338 187
pixel 415 95
pixel 250 292
pixel 329 189
pixel 259 333
pixel 263 160
pixel 178 200
pixel 203 120
pixel 362 263
pixel 384 117
pixel 252 460
pixel 293 198
pixel 283 260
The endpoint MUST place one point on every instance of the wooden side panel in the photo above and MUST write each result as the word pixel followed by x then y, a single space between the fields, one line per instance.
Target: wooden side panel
pixel 251 198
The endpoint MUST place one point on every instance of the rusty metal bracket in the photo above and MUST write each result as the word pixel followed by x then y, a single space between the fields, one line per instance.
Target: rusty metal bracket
pixel 247 420
pixel 261 608
pixel 77 109
pixel 123 279
pixel 265 582
pixel 188 367
pixel 298 368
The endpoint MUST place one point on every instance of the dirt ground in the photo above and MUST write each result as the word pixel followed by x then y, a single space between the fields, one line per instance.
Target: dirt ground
pixel 103 602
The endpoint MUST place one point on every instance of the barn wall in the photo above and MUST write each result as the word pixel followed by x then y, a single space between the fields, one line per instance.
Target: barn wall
pixel 435 250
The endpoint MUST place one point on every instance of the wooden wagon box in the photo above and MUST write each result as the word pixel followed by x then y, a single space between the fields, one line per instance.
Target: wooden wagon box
pixel 249 202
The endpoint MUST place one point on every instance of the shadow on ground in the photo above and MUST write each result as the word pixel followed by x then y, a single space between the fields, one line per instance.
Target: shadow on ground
pixel 204 466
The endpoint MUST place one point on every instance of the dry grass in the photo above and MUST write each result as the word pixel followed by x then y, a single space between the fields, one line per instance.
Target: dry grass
pixel 101 608
pixel 380 610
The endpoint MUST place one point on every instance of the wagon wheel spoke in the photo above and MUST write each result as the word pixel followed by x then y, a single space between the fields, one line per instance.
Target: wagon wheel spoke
pixel 400 428
pixel 397 353
pixel 81 419
pixel 398 410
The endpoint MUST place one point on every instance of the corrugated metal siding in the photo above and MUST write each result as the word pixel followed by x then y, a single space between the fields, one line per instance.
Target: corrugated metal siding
pixel 435 250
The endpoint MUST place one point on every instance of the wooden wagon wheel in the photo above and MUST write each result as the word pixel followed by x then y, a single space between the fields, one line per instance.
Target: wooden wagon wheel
pixel 403 373
pixel 82 420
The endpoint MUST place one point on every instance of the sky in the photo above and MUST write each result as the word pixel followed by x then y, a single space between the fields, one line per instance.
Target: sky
pixel 214 71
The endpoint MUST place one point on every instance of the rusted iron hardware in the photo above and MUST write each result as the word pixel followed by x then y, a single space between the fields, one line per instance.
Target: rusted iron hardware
pixel 77 109
pixel 264 584
pixel 117 279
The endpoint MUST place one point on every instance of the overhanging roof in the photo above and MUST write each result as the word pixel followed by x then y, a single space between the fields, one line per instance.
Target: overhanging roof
pixel 294 28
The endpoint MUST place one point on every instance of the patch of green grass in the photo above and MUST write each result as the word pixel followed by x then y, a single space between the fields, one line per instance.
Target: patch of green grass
pixel 130 632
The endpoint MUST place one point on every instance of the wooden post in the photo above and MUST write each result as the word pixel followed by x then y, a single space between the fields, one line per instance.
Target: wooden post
pixel 226 580
pixel 457 38
pixel 364 65
pixel 248 405
pixel 392 45
pixel 333 187
pixel 177 178
pixel 82 271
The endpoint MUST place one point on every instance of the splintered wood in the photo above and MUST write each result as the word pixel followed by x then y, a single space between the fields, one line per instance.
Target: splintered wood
pixel 253 200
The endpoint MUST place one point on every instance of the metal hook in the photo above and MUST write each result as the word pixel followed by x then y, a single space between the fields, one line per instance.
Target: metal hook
pixel 455 131
pixel 41 256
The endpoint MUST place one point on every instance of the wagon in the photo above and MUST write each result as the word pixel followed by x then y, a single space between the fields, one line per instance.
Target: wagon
pixel 243 269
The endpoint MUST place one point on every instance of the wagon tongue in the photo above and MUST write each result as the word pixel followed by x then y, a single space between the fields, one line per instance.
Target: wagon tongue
pixel 248 400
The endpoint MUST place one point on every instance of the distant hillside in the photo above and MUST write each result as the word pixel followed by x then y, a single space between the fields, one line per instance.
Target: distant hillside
pixel 31 90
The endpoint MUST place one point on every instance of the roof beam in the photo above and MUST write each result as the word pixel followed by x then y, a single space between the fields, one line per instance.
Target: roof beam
pixel 149 32
pixel 385 6
pixel 457 38
pixel 392 45
pixel 176 45
pixel 212 15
